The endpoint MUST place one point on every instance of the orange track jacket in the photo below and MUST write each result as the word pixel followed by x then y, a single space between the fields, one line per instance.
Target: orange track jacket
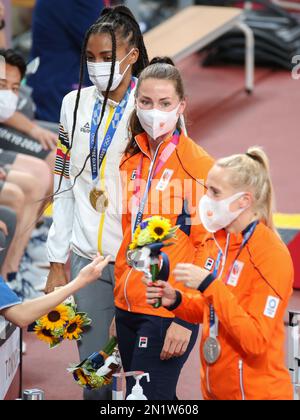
pixel 250 309
pixel 188 162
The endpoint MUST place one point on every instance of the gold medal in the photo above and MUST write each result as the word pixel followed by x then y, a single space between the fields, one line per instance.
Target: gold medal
pixel 99 200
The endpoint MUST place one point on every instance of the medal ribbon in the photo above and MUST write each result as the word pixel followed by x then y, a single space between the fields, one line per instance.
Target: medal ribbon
pixel 96 161
pixel 213 319
pixel 141 203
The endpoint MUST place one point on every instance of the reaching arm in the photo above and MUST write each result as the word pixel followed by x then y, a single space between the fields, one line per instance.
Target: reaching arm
pixel 27 312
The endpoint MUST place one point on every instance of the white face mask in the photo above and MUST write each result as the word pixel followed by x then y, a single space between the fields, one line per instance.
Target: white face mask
pixel 8 104
pixel 99 74
pixel 216 215
pixel 156 123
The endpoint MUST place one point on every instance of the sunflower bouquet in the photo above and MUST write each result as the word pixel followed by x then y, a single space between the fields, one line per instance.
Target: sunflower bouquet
pixel 62 322
pixel 144 252
pixel 97 370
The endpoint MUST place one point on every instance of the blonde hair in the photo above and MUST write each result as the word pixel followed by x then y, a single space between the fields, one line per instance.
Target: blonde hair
pixel 252 171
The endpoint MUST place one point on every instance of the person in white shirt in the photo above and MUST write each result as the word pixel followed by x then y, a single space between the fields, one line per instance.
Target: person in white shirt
pixel 87 199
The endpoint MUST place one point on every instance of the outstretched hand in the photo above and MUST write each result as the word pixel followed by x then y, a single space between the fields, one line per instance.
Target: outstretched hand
pixel 93 271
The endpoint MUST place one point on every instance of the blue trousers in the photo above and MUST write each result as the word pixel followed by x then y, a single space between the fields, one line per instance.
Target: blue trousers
pixel 141 339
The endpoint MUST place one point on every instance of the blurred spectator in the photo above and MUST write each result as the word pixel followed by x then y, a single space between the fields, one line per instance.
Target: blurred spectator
pixel 37 141
pixel 22 192
pixel 58 32
pixel 25 178
pixel 8 223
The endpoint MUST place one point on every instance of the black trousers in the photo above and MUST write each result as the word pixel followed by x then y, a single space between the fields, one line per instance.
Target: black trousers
pixel 141 339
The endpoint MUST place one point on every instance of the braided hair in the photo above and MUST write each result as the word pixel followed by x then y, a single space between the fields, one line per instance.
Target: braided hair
pixel 113 20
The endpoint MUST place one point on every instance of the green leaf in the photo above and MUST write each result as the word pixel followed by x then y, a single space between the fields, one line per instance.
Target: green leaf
pixel 54 344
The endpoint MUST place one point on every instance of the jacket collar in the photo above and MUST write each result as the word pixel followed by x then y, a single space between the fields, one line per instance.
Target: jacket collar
pixel 143 144
pixel 236 240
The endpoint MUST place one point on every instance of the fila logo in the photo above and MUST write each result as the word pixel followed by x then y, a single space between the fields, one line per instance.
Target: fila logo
pixel 143 344
pixel 209 264
pixel 86 128
pixel 133 175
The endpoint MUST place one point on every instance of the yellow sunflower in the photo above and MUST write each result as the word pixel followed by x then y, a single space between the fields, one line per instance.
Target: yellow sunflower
pixel 136 233
pixel 159 227
pixel 44 334
pixel 134 242
pixel 133 245
pixel 73 330
pixel 56 318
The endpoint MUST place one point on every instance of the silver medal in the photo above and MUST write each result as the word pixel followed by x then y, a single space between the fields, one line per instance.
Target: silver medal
pixel 211 350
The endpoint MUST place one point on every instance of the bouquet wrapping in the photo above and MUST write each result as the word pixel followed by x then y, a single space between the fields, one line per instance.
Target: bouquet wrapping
pixel 97 370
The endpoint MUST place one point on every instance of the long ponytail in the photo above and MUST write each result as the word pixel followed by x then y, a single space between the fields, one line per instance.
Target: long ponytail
pixel 252 170
pixel 266 203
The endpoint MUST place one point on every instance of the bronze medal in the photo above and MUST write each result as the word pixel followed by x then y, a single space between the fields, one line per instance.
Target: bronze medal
pixel 99 200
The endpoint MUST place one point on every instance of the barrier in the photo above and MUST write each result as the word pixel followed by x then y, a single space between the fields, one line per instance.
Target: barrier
pixel 294 351
pixel 10 360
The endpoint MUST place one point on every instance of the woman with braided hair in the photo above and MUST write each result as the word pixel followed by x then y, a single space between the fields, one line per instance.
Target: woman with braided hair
pixel 93 136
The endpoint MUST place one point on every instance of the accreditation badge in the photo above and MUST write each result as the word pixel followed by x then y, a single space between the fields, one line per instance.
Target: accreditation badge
pixel 235 273
pixel 99 200
pixel 164 180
